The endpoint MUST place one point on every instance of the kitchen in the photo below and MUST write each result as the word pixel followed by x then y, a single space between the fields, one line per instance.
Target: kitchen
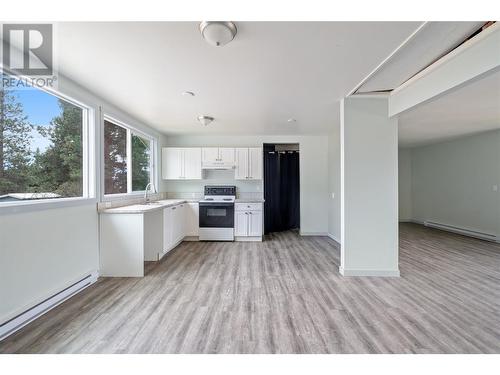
pixel 133 234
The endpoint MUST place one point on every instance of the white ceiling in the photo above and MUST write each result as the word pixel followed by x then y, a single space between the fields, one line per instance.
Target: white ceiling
pixel 271 71
pixel 433 40
pixel 472 108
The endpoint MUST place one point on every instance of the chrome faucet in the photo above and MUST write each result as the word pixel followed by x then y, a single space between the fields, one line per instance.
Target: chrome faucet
pixel 149 188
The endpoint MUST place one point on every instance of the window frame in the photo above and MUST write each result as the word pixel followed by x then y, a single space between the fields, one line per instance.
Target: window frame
pixel 88 162
pixel 153 162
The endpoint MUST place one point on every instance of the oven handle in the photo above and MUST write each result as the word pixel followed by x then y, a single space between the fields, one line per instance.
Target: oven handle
pixel 219 204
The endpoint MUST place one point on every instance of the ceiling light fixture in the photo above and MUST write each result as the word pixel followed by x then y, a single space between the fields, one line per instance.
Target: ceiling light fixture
pixel 291 120
pixel 205 120
pixel 187 93
pixel 218 33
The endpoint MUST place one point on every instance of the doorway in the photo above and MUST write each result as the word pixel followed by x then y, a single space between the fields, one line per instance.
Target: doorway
pixel 281 187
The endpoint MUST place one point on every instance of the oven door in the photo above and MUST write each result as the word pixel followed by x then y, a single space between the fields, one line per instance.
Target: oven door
pixel 216 215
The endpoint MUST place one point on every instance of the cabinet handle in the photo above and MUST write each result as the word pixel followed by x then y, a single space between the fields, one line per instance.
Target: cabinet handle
pixel 249 213
pixel 173 208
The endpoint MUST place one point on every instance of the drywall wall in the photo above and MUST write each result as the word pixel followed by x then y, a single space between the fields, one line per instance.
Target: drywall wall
pixel 334 183
pixel 45 248
pixel 369 183
pixel 313 173
pixel 43 252
pixel 404 176
pixel 453 182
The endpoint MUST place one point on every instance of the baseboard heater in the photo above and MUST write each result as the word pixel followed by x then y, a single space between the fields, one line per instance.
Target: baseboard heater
pixel 465 232
pixel 16 323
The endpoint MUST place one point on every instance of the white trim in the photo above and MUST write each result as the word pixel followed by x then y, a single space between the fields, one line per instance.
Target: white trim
pixel 248 239
pixel 324 234
pixel 334 238
pixel 470 61
pixel 131 130
pixel 43 204
pixel 88 127
pixel 379 66
pixel 375 273
pixel 462 231
pixel 13 325
pixel 443 60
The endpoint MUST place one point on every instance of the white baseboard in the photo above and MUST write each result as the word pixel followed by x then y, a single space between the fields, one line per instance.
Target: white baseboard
pixel 333 238
pixel 248 239
pixel 10 326
pixel 313 233
pixel 462 231
pixel 378 273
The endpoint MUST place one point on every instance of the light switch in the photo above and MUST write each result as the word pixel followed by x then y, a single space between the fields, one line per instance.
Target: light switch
pixel 495 187
pixel 333 195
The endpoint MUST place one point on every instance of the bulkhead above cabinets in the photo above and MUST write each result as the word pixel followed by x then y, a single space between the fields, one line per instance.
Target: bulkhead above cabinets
pixel 188 163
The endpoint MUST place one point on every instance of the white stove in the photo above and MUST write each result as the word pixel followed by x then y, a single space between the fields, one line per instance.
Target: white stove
pixel 217 214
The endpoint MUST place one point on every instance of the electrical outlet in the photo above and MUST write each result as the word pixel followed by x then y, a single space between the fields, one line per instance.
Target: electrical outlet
pixel 333 195
pixel 495 187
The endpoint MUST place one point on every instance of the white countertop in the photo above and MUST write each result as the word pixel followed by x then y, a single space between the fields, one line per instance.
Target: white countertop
pixel 249 200
pixel 143 208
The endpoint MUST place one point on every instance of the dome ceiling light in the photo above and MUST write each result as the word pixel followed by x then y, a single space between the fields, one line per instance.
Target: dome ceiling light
pixel 218 33
pixel 205 120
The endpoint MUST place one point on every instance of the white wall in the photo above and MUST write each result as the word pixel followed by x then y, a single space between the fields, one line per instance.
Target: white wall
pixel 334 183
pixel 452 182
pixel 44 250
pixel 404 173
pixel 313 173
pixel 369 180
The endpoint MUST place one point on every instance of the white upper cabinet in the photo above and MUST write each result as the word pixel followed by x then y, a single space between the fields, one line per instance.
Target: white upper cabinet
pixel 210 155
pixel 181 163
pixel 255 159
pixel 226 155
pixel 241 170
pixel 248 163
pixel 217 156
pixel 172 163
pixel 192 163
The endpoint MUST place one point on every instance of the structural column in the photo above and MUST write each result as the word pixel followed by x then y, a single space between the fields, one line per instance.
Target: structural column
pixel 369 187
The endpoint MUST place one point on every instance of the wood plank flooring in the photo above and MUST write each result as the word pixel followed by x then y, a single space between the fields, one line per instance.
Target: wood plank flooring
pixel 285 295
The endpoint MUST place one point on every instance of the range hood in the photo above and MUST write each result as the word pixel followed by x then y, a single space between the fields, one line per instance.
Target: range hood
pixel 217 165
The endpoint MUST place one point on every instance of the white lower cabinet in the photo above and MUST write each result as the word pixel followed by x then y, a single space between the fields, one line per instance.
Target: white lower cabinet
pixel 248 221
pixel 192 220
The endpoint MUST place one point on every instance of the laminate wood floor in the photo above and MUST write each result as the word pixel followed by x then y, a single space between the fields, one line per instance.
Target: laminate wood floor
pixel 285 295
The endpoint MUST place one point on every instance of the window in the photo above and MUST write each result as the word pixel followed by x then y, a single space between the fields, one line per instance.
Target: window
pixel 127 159
pixel 42 146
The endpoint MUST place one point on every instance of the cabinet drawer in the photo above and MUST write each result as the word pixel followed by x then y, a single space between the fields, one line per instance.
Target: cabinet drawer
pixel 248 206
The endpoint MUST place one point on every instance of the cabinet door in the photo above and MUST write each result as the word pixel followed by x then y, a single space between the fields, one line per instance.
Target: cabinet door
pixel 255 223
pixel 255 158
pixel 226 155
pixel 192 163
pixel 167 229
pixel 172 163
pixel 241 171
pixel 210 155
pixel 241 223
pixel 178 223
pixel 192 219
